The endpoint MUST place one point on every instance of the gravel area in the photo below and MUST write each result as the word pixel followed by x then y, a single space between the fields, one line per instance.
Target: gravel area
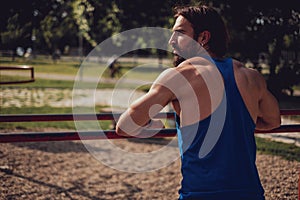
pixel 65 170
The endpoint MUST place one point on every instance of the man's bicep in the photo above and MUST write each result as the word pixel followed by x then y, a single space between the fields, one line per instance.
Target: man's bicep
pixel 144 108
pixel 151 103
pixel 267 104
pixel 160 93
pixel 269 113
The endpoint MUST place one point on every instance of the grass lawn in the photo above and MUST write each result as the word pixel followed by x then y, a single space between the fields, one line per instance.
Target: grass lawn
pixel 89 69
pixel 287 151
pixel 48 83
pixel 44 65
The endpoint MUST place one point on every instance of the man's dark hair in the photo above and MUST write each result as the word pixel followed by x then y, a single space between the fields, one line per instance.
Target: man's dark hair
pixel 204 18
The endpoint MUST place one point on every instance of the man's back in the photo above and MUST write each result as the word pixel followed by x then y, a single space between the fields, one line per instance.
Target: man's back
pixel 208 87
pixel 261 104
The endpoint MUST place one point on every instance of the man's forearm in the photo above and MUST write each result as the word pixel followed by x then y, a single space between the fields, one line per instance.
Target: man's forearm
pixel 126 125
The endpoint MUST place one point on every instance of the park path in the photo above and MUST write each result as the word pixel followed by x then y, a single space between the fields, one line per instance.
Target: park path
pixel 67 77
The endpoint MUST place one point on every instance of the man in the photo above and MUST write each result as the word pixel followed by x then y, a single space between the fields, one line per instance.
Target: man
pixel 219 104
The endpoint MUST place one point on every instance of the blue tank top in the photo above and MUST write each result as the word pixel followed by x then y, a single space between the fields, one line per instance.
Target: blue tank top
pixel 228 169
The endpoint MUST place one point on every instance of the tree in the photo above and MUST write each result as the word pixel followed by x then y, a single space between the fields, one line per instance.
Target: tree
pixel 256 26
pixel 66 24
pixel 14 26
pixel 15 34
pixel 260 26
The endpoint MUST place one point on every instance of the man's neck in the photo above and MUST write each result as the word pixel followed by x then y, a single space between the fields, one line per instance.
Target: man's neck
pixel 214 56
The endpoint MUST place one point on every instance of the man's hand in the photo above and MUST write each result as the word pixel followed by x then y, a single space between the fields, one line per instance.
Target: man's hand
pixel 152 124
pixel 155 124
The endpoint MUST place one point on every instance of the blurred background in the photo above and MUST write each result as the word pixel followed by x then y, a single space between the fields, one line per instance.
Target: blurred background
pixel 264 35
pixel 53 39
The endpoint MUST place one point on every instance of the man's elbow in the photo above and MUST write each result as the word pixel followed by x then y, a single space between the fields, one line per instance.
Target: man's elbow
pixel 275 124
pixel 278 123
pixel 268 125
pixel 120 132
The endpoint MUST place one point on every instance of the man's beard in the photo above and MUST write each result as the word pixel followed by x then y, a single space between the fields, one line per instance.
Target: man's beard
pixel 177 60
pixel 192 50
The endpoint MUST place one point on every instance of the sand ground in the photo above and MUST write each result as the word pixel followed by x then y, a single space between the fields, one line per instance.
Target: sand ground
pixel 66 170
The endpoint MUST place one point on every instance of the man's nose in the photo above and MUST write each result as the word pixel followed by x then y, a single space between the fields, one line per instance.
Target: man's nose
pixel 172 40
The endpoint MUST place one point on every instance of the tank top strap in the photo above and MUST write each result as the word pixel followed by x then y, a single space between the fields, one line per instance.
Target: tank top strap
pixel 225 67
pixel 232 92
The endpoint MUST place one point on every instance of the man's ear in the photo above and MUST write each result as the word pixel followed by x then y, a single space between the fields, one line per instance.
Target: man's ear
pixel 204 37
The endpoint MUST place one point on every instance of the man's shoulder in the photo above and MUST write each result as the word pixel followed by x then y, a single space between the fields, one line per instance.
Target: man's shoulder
pixel 248 75
pixel 195 63
pixel 241 68
pixel 190 69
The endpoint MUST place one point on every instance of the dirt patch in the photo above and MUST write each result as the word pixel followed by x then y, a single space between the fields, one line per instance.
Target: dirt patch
pixel 65 170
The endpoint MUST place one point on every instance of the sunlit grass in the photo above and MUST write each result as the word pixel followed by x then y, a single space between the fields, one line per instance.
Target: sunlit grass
pixel 44 65
pixel 286 151
pixel 47 83
pixel 87 69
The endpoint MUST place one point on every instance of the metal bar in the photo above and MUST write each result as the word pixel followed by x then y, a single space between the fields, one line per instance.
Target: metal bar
pixel 99 116
pixel 290 112
pixel 86 135
pixel 69 117
pixel 107 134
pixel 32 73
pixel 283 129
pixel 55 117
pixel 23 67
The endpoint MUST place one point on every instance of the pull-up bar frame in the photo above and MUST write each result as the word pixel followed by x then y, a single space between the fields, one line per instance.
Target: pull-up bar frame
pixel 103 134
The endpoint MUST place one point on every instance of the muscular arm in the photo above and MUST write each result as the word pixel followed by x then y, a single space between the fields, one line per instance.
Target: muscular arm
pixel 269 113
pixel 133 120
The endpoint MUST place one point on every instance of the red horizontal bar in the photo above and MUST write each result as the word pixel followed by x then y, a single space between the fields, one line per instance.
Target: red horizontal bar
pixel 91 135
pixel 107 134
pixel 99 116
pixel 69 117
pixel 87 135
pixel 290 112
pixel 55 117
pixel 283 129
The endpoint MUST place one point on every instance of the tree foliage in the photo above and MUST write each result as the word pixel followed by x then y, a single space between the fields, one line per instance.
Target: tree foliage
pixel 255 26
